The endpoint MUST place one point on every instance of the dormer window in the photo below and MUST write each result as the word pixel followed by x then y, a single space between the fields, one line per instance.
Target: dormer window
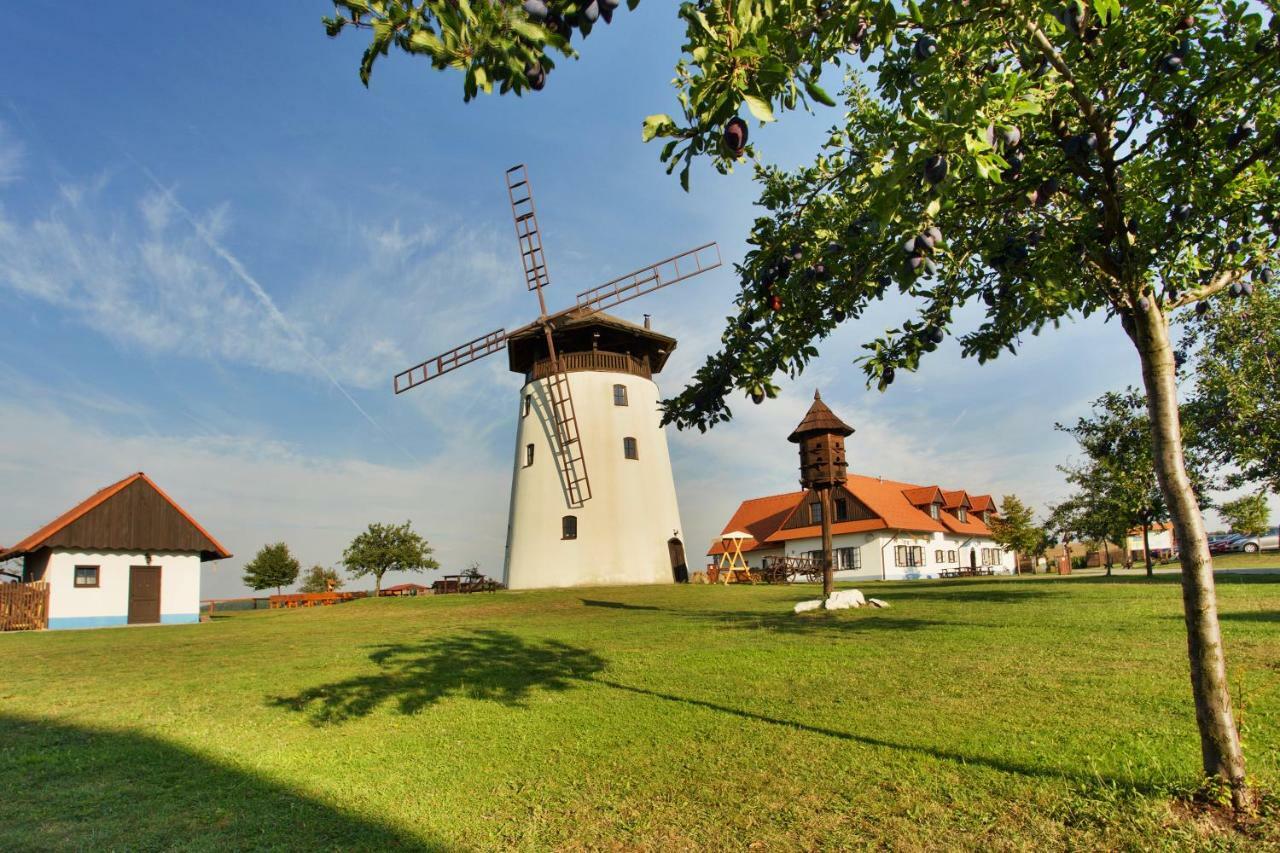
pixel 986 516
pixel 841 509
pixel 961 513
pixel 815 513
pixel 933 511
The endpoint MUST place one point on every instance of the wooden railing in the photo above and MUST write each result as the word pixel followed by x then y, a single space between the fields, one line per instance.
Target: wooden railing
pixel 24 606
pixel 610 362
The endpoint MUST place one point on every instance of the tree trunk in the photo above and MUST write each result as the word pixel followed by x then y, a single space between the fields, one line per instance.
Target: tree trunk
pixel 1220 749
pixel 1146 534
pixel 1106 551
pixel 828 573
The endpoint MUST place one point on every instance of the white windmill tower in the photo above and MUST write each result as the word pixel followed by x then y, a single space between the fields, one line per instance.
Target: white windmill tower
pixel 588 394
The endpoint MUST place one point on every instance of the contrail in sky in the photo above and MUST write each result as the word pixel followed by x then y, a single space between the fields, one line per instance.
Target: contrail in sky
pixel 267 302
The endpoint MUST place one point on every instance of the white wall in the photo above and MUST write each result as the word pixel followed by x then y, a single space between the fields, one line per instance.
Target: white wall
pixel 108 603
pixel 880 545
pixel 624 528
pixel 1161 540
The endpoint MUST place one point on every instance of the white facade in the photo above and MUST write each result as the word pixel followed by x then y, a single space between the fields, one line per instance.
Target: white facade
pixel 622 532
pixel 108 603
pixel 1161 540
pixel 877 557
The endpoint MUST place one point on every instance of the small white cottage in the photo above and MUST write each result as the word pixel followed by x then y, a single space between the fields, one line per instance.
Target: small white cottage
pixel 127 555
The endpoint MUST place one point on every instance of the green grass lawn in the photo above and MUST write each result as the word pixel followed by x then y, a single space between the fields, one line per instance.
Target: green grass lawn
pixel 981 714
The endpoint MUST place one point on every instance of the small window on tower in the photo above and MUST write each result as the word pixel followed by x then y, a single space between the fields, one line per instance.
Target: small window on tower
pixel 569 527
pixel 815 513
pixel 620 395
pixel 629 448
pixel 842 509
pixel 528 455
pixel 528 404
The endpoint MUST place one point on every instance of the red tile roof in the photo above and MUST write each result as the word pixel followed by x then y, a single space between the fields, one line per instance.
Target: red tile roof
pixel 36 540
pixel 896 506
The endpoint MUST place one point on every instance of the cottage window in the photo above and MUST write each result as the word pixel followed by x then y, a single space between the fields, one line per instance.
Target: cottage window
pixel 842 509
pixel 908 555
pixel 528 404
pixel 87 576
pixel 986 516
pixel 951 556
pixel 848 558
pixel 629 448
pixel 569 527
pixel 815 513
pixel 961 514
pixel 620 395
pixel 937 556
pixel 933 510
pixel 528 455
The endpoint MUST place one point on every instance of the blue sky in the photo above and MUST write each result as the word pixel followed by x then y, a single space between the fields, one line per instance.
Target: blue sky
pixel 216 247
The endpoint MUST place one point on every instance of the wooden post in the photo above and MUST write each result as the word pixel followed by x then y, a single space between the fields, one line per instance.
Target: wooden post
pixel 828 570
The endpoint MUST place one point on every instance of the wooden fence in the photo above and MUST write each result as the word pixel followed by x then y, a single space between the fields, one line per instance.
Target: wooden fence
pixel 24 606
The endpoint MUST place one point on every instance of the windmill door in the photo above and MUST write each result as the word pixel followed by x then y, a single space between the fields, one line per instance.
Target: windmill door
pixel 144 595
pixel 679 569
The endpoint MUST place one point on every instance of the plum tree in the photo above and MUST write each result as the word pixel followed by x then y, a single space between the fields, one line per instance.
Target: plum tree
pixel 1125 184
pixel 493 43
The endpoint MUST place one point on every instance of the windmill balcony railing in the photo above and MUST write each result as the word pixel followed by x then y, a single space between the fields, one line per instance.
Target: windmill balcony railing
pixel 597 360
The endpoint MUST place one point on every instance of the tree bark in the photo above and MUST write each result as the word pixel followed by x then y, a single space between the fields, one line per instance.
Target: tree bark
pixel 1220 749
pixel 1146 537
pixel 828 573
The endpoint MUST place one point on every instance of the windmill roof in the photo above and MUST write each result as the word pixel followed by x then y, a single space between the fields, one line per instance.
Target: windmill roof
pixel 575 330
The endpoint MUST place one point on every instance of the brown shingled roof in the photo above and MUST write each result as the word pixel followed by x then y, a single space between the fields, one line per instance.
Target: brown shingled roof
pixel 819 419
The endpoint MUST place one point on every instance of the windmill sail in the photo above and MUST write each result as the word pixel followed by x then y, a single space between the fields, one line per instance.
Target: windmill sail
pixel 528 236
pixel 451 360
pixel 653 277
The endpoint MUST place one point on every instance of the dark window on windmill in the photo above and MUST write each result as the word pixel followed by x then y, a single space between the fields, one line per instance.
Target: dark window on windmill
pixel 569 527
pixel 528 404
pixel 620 395
pixel 629 448
pixel 528 455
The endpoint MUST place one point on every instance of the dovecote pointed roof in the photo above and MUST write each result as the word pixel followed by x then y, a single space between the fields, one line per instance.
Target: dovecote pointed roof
pixel 819 419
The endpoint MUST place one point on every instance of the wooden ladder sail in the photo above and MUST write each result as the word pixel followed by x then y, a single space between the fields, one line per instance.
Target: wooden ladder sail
pixel 530 238
pixel 570 458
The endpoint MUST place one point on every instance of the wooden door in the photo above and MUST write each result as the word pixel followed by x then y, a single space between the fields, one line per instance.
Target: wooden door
pixel 144 595
pixel 679 569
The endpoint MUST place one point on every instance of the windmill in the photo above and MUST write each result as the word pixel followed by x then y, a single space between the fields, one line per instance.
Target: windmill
pixel 549 351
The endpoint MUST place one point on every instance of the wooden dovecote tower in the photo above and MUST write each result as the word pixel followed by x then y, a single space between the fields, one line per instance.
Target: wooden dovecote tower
pixel 821 438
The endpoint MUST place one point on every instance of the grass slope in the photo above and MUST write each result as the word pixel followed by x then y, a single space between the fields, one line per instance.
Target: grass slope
pixel 981 714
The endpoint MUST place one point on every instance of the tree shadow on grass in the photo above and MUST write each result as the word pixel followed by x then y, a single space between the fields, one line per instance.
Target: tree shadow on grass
pixel 1002 765
pixel 96 789
pixel 486 664
pixel 1251 616
pixel 862 620
pixel 616 605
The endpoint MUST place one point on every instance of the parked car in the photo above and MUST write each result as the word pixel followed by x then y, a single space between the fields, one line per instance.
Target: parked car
pixel 1268 541
pixel 1222 544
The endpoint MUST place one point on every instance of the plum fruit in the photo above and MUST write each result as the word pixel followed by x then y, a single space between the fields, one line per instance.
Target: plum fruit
pixel 735 135
pixel 590 11
pixel 757 396
pixel 915 261
pixel 536 9
pixel 1011 136
pixel 535 76
pixel 775 303
pixel 1234 247
pixel 1171 64
pixel 1236 288
pixel 934 233
pixel 1246 288
pixel 934 334
pixel 886 376
pixel 1202 308
pixel 935 169
pixel 924 47
pixel 1180 212
pixel 1144 304
pixel 1266 276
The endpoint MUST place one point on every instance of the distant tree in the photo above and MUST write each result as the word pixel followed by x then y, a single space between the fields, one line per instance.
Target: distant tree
pixel 321 579
pixel 473 571
pixel 1015 528
pixel 387 548
pixel 1236 398
pixel 1118 483
pixel 1248 515
pixel 272 566
pixel 1090 514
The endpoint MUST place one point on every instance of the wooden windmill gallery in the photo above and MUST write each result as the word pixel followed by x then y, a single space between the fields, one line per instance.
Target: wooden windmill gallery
pixel 588 401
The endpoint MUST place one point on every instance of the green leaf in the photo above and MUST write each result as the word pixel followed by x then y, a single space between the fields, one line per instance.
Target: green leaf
pixel 656 125
pixel 759 108
pixel 818 93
